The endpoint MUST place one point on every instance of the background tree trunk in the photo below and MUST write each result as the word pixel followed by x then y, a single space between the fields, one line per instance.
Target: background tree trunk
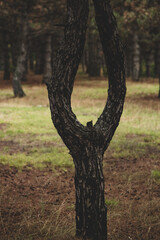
pixel 94 65
pixel 31 61
pixel 47 72
pixel 149 60
pixel 6 75
pixel 40 56
pixel 15 46
pixel 157 59
pixel 128 61
pixel 21 61
pixel 136 57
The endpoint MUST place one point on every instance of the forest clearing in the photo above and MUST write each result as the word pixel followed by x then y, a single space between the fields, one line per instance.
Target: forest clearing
pixel 37 195
pixel 79 120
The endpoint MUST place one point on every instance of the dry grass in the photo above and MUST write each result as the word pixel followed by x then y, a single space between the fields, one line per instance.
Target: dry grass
pixel 38 203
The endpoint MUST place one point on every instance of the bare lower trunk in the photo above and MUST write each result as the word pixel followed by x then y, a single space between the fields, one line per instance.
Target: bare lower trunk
pixel 91 211
pixel 47 72
pixel 136 58
pixel 21 62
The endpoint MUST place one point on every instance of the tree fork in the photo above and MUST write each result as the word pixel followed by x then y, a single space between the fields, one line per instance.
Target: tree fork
pixel 87 143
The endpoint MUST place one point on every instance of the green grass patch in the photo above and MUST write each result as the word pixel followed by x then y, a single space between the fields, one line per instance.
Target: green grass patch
pixel 94 93
pixel 156 174
pixel 111 203
pixel 27 122
pixel 39 158
pixel 141 89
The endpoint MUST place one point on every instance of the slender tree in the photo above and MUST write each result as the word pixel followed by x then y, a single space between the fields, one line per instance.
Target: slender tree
pixel 136 58
pixel 21 67
pixel 87 144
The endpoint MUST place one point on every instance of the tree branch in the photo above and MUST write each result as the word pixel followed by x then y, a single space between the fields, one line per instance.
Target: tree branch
pixel 114 57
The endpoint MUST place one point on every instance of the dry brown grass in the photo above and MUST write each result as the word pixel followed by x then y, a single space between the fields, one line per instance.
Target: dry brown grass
pixel 39 204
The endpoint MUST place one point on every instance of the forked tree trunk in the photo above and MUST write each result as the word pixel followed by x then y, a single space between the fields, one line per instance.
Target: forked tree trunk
pixel 88 143
pixel 21 61
pixel 47 72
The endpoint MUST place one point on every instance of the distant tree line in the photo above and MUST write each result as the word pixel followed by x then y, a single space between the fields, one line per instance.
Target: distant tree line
pixel 31 30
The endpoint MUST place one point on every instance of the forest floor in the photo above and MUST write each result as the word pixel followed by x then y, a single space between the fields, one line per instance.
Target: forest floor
pixel 37 194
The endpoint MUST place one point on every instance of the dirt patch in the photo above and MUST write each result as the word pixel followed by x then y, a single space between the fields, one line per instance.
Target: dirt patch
pixel 3 126
pixel 32 79
pixel 146 101
pixel 31 196
pixel 41 203
pixel 13 147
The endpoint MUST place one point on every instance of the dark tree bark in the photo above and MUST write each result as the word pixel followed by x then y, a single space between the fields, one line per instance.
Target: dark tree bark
pixel 21 61
pixel 6 75
pixel 88 143
pixel 47 72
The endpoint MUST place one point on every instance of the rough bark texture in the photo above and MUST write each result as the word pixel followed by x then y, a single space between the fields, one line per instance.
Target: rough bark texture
pixel 136 58
pixel 21 61
pixel 88 143
pixel 47 72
